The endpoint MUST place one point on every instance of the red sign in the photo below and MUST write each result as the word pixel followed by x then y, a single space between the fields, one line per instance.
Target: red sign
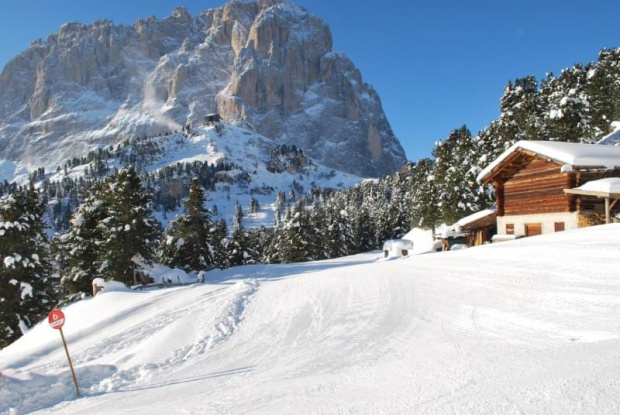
pixel 56 319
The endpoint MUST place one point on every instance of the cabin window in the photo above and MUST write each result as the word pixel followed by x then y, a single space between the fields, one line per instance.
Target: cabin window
pixel 510 229
pixel 559 226
pixel 532 229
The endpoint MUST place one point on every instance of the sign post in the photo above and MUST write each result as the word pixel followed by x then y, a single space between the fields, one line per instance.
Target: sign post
pixel 56 319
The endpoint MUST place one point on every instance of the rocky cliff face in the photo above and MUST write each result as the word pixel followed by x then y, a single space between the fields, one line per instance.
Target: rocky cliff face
pixel 266 62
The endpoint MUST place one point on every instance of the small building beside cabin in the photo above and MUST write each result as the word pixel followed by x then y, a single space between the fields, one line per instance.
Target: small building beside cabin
pixel 479 227
pixel 473 230
pixel 530 179
pixel 450 235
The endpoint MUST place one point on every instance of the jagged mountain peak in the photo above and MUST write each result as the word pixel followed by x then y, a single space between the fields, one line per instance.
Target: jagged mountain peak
pixel 267 62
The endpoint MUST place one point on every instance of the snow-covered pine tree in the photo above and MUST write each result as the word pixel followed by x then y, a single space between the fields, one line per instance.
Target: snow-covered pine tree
pixel 81 247
pixel 604 91
pixel 363 230
pixel 237 217
pixel 295 244
pixel 26 284
pixel 317 218
pixel 521 112
pixel 188 243
pixel 425 197
pixel 242 248
pixel 455 176
pixel 130 232
pixel 254 205
pixel 566 108
pixel 338 238
pixel 220 240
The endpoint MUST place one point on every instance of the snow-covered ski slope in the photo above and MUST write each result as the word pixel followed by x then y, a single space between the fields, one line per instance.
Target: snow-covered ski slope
pixel 524 327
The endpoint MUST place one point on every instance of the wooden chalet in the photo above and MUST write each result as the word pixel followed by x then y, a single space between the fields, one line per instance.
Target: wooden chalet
pixel 530 179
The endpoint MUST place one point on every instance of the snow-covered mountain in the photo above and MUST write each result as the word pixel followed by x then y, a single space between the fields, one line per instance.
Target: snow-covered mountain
pixel 528 326
pixel 267 62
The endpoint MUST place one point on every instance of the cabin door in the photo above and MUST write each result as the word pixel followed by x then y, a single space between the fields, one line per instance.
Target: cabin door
pixel 532 229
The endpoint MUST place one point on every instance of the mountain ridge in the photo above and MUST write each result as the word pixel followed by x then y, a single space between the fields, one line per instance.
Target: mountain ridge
pixel 269 63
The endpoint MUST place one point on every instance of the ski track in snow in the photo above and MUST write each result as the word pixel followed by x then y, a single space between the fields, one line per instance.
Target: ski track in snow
pixel 216 315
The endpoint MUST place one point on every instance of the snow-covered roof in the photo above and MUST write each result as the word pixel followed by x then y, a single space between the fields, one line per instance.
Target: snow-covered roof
pixel 603 188
pixel 459 228
pixel 475 216
pixel 576 155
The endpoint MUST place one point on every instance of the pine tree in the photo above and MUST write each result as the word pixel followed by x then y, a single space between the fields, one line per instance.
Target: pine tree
pixel 81 247
pixel 237 217
pixel 254 205
pixel 338 238
pixel 26 285
pixel 318 223
pixel 604 91
pixel 241 248
pixel 455 173
pixel 363 231
pixel 565 100
pixel 188 242
pixel 425 197
pixel 294 242
pixel 129 230
pixel 220 241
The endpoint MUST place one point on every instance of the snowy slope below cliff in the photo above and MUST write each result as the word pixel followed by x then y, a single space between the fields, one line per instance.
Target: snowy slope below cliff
pixel 249 176
pixel 522 327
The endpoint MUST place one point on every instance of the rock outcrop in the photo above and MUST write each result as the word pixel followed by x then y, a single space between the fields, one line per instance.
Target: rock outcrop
pixel 267 62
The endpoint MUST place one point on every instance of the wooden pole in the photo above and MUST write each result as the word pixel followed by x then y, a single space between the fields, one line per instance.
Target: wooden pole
pixel 607 211
pixel 77 389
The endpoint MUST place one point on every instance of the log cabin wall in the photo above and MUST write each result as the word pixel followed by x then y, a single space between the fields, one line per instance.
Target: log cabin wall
pixel 537 188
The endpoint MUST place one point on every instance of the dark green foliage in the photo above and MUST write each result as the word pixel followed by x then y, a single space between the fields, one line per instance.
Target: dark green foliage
pixel 26 284
pixel 603 90
pixel 237 217
pixel 521 111
pixel 188 240
pixel 243 247
pixel 81 247
pixel 296 236
pixel 338 233
pixel 565 102
pixel 425 212
pixel 455 172
pixel 220 240
pixel 130 233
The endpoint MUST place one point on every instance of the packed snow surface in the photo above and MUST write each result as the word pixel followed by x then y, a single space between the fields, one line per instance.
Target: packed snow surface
pixel 530 326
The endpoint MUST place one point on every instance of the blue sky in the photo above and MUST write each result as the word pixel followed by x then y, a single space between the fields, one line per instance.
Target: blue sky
pixel 436 64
